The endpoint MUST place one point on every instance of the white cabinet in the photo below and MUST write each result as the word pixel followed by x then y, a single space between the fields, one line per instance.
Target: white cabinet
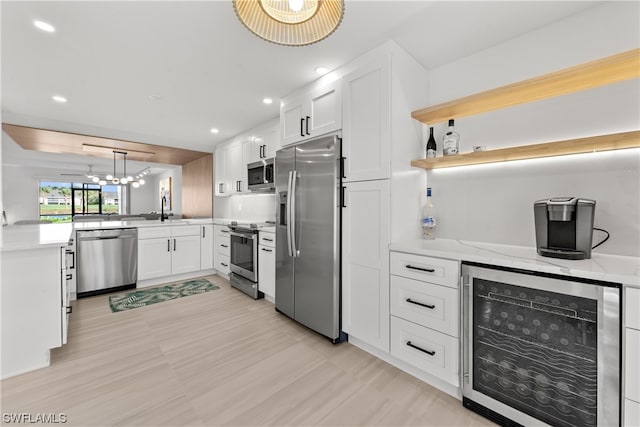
pixel 312 113
pixel 221 243
pixel 631 357
pixel 167 250
pixel 261 145
pixel 236 169
pixel 267 265
pixel 425 314
pixel 220 170
pixel 206 247
pixel 365 262
pixel 366 114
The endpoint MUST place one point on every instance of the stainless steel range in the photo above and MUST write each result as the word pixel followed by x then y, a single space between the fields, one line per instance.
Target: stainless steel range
pixel 540 349
pixel 244 257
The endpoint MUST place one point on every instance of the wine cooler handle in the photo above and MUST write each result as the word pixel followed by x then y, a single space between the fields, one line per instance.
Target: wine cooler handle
pixel 430 353
pixel 421 304
pixel 464 333
pixel 413 267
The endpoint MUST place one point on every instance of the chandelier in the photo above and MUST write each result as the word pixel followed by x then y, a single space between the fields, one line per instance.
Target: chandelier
pixel 113 178
pixel 290 22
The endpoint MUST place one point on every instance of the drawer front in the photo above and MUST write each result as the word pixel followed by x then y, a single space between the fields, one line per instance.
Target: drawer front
pixel 221 230
pixel 631 413
pixel 632 368
pixel 429 305
pixel 222 245
pixel 433 270
pixel 267 239
pixel 632 302
pixel 154 232
pixel 185 230
pixel 426 349
pixel 222 263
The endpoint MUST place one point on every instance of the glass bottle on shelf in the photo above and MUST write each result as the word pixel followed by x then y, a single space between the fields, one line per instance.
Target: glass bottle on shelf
pixel 450 141
pixel 431 145
pixel 429 218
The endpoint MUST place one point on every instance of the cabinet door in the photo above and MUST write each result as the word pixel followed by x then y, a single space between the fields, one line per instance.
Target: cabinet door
pixel 154 258
pixel 270 143
pixel 221 181
pixel 250 150
pixel 234 165
pixel 185 256
pixel 267 270
pixel 365 262
pixel 292 115
pixel 206 247
pixel 367 115
pixel 324 111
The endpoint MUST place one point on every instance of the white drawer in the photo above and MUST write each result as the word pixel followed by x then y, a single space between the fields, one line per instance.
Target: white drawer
pixel 429 305
pixel 631 413
pixel 267 239
pixel 443 363
pixel 632 302
pixel 221 230
pixel 185 230
pixel 222 263
pixel 223 245
pixel 632 371
pixel 434 270
pixel 154 232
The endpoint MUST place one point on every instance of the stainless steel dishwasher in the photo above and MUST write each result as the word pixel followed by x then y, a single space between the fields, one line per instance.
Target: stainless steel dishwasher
pixel 107 260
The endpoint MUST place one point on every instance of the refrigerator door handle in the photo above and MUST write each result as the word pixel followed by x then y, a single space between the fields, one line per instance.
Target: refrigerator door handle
pixel 293 197
pixel 288 214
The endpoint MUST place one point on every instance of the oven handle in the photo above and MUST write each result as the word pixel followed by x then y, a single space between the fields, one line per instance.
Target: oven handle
pixel 290 252
pixel 251 236
pixel 294 248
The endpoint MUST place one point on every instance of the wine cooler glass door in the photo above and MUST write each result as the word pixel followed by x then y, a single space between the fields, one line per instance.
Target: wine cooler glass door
pixel 535 347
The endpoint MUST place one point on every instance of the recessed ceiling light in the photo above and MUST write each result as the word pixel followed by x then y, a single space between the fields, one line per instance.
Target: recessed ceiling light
pixel 155 98
pixel 214 130
pixel 58 98
pixel 267 101
pixel 44 26
pixel 322 70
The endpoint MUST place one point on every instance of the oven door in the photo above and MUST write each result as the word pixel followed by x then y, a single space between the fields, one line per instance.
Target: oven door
pixel 244 255
pixel 540 349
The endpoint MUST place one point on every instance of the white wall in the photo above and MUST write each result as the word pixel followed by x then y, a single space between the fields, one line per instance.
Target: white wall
pixel 249 207
pixel 20 192
pixel 494 203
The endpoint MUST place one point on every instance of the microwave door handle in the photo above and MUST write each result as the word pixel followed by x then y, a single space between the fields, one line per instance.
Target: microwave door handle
pixel 288 215
pixel 294 247
pixel 264 173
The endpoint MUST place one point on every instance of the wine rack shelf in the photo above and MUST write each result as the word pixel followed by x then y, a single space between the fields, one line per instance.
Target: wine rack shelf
pixel 616 141
pixel 612 69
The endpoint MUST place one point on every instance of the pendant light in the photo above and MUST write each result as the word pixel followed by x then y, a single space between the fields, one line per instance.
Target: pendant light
pixel 113 178
pixel 290 22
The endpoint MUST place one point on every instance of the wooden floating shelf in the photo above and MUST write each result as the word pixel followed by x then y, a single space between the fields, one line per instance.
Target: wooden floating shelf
pixel 612 69
pixel 616 141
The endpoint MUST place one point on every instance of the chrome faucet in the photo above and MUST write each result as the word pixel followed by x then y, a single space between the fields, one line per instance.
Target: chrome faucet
pixel 162 202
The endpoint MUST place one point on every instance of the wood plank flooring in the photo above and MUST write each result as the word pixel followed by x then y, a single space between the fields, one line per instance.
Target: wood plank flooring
pixel 219 359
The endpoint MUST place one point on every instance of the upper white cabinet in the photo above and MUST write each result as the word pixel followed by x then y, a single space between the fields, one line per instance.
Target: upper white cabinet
pixel 235 168
pixel 262 145
pixel 221 187
pixel 311 114
pixel 366 114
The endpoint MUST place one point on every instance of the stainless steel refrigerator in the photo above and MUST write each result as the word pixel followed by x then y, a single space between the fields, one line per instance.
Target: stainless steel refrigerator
pixel 308 194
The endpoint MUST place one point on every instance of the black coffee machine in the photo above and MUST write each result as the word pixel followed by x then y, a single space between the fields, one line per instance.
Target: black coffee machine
pixel 564 227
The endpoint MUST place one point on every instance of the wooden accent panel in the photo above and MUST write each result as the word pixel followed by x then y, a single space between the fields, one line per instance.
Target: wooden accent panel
pixel 615 141
pixel 197 188
pixel 612 69
pixel 72 143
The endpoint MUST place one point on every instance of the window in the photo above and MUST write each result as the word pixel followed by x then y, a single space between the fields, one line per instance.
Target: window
pixel 60 201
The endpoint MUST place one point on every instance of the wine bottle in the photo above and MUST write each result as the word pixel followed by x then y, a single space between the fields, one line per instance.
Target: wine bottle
pixel 450 141
pixel 429 218
pixel 431 145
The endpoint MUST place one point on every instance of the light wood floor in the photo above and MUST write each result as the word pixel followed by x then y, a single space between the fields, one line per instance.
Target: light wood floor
pixel 219 358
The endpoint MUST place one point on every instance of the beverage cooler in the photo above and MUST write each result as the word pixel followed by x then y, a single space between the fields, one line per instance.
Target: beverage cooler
pixel 540 349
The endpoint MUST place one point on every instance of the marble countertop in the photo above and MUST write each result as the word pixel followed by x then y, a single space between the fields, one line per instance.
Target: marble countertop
pixel 610 268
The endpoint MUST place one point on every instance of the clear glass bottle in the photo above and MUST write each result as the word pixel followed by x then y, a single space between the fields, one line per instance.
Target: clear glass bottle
pixel 450 141
pixel 429 218
pixel 431 145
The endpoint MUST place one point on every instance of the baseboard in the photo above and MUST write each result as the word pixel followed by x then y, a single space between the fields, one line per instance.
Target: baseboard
pixel 174 278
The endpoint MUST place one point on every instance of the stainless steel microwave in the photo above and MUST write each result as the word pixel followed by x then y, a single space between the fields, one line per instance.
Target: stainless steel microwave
pixel 260 175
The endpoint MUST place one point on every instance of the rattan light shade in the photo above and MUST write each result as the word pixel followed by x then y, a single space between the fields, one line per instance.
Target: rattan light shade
pixel 274 21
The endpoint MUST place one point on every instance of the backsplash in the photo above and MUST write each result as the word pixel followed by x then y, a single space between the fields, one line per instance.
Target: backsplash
pixel 250 207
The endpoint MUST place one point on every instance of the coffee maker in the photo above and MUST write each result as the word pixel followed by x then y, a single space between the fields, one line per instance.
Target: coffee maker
pixel 564 227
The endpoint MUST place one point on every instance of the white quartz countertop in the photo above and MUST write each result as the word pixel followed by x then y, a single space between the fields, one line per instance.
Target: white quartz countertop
pixel 610 268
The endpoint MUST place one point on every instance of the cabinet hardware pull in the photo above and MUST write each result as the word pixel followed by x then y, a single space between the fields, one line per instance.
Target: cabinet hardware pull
pixel 342 162
pixel 174 244
pixel 226 265
pixel 69 310
pixel 168 245
pixel 307 125
pixel 430 353
pixel 264 151
pixel 267 250
pixel 301 126
pixel 225 246
pixel 225 231
pixel 203 231
pixel 343 201
pixel 73 259
pixel 69 276
pixel 412 267
pixel 430 306
pixel 268 240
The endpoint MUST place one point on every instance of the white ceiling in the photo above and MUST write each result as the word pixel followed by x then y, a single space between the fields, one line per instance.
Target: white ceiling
pixel 109 57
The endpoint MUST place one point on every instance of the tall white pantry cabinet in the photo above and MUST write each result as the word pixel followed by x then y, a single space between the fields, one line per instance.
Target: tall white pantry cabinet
pixel 382 199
